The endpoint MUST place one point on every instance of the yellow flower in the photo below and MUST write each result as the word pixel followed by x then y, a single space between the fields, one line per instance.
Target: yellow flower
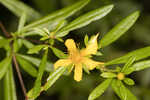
pixel 80 57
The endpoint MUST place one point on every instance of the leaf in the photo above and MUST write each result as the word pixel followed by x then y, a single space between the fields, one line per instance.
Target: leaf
pixel 36 49
pixel 84 68
pixel 70 68
pixel 128 64
pixel 4 65
pixel 59 53
pixel 17 44
pixel 27 66
pixel 36 62
pixel 85 20
pixel 99 90
pixel 108 75
pixel 57 16
pixel 60 25
pixel 86 39
pixel 28 44
pixel 119 29
pixel 22 22
pixel 98 53
pixel 3 42
pixel 51 41
pixel 129 81
pixel 122 91
pixel 37 84
pixel 18 8
pixel 9 85
pixel 53 77
pixel 138 54
pixel 129 71
pixel 141 65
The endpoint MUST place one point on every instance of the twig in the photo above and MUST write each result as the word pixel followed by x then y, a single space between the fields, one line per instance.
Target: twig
pixel 15 62
pixel 20 77
pixel 4 30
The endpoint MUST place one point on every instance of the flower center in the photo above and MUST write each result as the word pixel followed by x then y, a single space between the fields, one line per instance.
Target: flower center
pixel 76 57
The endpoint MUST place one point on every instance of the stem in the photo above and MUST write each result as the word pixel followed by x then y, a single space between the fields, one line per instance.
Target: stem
pixel 4 30
pixel 15 62
pixel 20 77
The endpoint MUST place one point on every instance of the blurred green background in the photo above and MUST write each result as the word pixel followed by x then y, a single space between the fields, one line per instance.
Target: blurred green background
pixel 137 37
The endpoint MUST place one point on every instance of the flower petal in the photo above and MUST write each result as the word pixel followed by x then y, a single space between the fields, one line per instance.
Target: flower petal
pixel 91 64
pixel 71 46
pixel 62 62
pixel 91 47
pixel 78 72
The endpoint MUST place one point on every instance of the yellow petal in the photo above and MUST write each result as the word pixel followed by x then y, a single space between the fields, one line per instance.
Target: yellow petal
pixel 91 47
pixel 78 72
pixel 62 62
pixel 71 46
pixel 91 64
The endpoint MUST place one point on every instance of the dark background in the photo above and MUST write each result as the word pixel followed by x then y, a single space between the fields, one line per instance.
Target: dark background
pixel 137 37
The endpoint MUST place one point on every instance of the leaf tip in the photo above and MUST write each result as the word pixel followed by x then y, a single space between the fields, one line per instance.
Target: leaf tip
pixel 136 14
pixel 111 6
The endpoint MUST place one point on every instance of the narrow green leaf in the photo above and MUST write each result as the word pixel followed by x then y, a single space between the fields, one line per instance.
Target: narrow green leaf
pixel 119 29
pixel 59 53
pixel 44 38
pixel 28 44
pixel 35 31
pixel 27 66
pixel 128 64
pixel 138 54
pixel 98 53
pixel 51 41
pixel 22 22
pixel 36 49
pixel 4 65
pixel 85 69
pixel 57 16
pixel 9 85
pixel 3 42
pixel 141 65
pixel 129 81
pixel 60 25
pixel 129 70
pixel 85 20
pixel 86 39
pixel 18 8
pixel 36 62
pixel 99 90
pixel 37 85
pixel 60 40
pixel 70 68
pixel 12 84
pixel 108 75
pixel 122 91
pixel 53 77
pixel 17 44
